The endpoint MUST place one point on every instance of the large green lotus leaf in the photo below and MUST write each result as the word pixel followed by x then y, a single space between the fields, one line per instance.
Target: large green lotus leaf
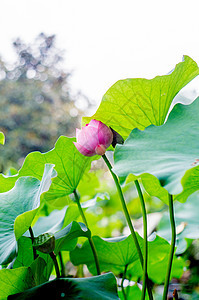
pixel 25 259
pixel 49 264
pixel 187 223
pixel 18 209
pixel 54 222
pixel 38 270
pixel 169 152
pixel 89 183
pixel 158 252
pixel 18 280
pixel 138 102
pixel 66 239
pixel 98 287
pixel 155 268
pixel 99 199
pixel 23 221
pixel 50 219
pixel 25 253
pixel 51 223
pixel 156 271
pixel 69 163
pixel 72 214
pixel 115 253
pixel 151 184
pixel 2 138
pixel 14 281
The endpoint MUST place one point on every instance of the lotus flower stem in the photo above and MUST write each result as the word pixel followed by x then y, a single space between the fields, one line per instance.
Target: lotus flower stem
pixel 145 276
pixel 32 239
pixel 89 239
pixel 171 253
pixel 128 219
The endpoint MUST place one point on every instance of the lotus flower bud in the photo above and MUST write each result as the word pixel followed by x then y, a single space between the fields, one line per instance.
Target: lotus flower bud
pixel 94 138
pixel 44 243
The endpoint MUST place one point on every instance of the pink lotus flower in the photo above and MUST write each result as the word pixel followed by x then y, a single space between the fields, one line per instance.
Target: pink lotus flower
pixel 94 138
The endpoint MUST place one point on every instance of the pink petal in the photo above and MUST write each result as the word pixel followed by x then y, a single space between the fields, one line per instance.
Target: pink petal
pixel 94 123
pixel 88 137
pixel 83 150
pixel 105 135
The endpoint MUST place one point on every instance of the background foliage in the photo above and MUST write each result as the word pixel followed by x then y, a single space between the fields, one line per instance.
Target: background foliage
pixel 36 102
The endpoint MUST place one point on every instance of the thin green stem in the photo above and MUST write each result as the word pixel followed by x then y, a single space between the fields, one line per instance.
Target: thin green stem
pixel 128 219
pixel 32 239
pixel 122 283
pixel 80 208
pixel 171 253
pixel 145 238
pixel 53 256
pixel 95 255
pixel 89 239
pixel 61 264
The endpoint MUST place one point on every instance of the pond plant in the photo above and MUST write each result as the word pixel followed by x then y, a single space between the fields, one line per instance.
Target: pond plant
pixel 153 145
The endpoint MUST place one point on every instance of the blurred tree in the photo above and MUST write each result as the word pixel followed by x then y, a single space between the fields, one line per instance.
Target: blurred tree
pixel 36 105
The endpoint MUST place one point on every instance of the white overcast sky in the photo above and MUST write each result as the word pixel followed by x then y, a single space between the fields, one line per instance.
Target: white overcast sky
pixel 107 40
